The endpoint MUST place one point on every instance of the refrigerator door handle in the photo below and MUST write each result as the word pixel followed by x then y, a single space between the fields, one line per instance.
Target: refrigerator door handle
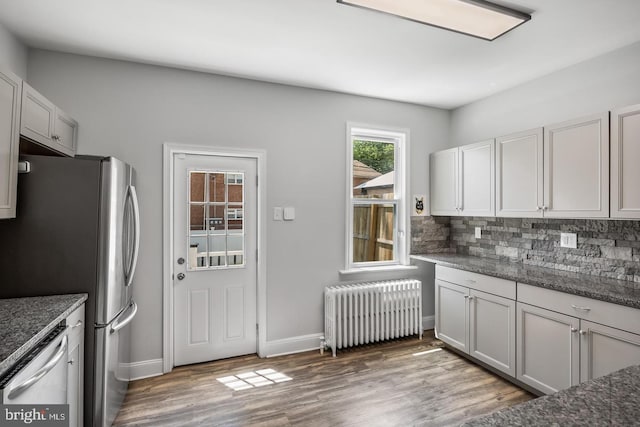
pixel 117 325
pixel 133 196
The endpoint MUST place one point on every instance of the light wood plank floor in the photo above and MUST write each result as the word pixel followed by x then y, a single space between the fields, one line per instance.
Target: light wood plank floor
pixel 374 385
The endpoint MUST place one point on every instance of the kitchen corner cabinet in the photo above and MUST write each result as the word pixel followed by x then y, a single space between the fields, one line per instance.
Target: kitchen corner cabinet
pixel 625 157
pixel 462 180
pixel 10 101
pixel 476 315
pixel 75 372
pixel 519 174
pixel 564 339
pixel 576 168
pixel 44 123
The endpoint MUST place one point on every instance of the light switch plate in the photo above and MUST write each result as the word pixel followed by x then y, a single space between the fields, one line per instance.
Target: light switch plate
pixel 478 233
pixel 568 240
pixel 289 213
pixel 277 214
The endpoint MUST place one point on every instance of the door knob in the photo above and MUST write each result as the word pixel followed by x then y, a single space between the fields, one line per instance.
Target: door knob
pixel 180 260
pixel 180 276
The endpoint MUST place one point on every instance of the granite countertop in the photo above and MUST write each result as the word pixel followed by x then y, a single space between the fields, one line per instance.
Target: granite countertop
pixel 609 400
pixel 601 288
pixel 25 321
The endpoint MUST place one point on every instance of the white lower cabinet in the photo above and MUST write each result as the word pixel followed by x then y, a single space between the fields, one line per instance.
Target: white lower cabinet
pixel 476 322
pixel 604 350
pixel 75 371
pixel 546 339
pixel 492 330
pixel 548 348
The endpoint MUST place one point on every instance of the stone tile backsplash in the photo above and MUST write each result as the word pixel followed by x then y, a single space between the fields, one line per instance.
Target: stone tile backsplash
pixel 608 248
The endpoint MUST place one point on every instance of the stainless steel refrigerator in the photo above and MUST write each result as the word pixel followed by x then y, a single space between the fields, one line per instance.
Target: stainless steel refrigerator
pixel 77 230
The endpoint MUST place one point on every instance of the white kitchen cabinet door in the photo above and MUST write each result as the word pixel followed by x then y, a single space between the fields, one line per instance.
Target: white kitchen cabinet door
pixel 519 174
pixel 38 116
pixel 605 350
pixel 492 330
pixel 576 168
pixel 625 158
pixel 75 373
pixel 477 179
pixel 65 133
pixel 548 353
pixel 10 101
pixel 452 315
pixel 443 168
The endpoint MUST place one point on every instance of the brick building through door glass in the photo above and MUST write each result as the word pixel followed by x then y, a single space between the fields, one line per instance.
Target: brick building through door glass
pixel 216 219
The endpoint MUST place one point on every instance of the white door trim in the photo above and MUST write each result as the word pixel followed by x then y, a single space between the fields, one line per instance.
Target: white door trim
pixel 169 150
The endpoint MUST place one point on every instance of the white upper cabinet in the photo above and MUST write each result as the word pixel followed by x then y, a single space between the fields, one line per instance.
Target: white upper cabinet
pixel 443 167
pixel 10 99
pixel 519 174
pixel 625 158
pixel 576 168
pixel 46 124
pixel 462 180
pixel 476 183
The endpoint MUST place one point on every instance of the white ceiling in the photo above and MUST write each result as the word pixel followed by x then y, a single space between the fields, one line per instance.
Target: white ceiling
pixel 325 45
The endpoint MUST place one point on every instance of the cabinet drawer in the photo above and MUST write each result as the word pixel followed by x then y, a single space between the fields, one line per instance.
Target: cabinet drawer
pixel 480 282
pixel 606 313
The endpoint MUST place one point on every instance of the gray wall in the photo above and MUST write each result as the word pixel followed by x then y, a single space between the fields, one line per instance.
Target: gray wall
pixel 593 86
pixel 129 110
pixel 13 54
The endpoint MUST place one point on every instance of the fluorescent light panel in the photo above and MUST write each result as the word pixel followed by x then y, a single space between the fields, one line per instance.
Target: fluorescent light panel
pixel 476 18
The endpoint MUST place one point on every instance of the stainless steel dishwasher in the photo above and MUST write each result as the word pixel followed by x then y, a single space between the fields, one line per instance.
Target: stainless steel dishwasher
pixel 40 377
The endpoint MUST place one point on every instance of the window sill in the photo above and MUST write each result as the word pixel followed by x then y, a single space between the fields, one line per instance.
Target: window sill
pixel 384 268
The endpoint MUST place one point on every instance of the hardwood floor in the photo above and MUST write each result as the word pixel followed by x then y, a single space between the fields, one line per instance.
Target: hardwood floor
pixel 376 385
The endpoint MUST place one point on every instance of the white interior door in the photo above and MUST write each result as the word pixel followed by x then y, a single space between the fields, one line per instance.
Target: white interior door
pixel 215 244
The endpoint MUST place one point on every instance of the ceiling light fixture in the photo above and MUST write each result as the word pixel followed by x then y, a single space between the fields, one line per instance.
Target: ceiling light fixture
pixel 477 18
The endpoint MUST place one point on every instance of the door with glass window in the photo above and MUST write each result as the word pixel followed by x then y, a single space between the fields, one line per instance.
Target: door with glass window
pixel 215 243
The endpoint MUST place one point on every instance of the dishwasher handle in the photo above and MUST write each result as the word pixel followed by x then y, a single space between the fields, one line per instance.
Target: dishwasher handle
pixel 51 363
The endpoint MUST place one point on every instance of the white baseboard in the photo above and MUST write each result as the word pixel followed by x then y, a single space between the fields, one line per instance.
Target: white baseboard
pixel 145 369
pixel 428 322
pixel 293 345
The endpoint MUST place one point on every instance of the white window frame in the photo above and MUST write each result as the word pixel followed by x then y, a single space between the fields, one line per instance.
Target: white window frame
pixel 400 138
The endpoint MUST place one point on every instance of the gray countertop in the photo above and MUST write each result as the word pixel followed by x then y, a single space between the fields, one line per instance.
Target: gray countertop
pixel 602 288
pixel 610 400
pixel 25 321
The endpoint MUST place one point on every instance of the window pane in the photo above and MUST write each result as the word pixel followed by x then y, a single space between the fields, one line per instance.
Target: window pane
pixel 217 250
pixel 216 217
pixel 197 250
pixel 216 187
pixel 373 169
pixel 196 217
pixel 235 249
pixel 373 231
pixel 236 188
pixel 196 186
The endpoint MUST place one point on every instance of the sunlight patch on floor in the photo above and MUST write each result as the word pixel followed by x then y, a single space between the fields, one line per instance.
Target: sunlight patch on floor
pixel 426 352
pixel 253 379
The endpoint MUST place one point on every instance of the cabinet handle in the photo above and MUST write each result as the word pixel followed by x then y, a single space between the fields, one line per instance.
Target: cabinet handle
pixel 574 330
pixel 55 137
pixel 583 332
pixel 77 324
pixel 544 208
pixel 538 208
pixel 577 307
pixel 466 296
pixel 470 281
pixel 470 298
